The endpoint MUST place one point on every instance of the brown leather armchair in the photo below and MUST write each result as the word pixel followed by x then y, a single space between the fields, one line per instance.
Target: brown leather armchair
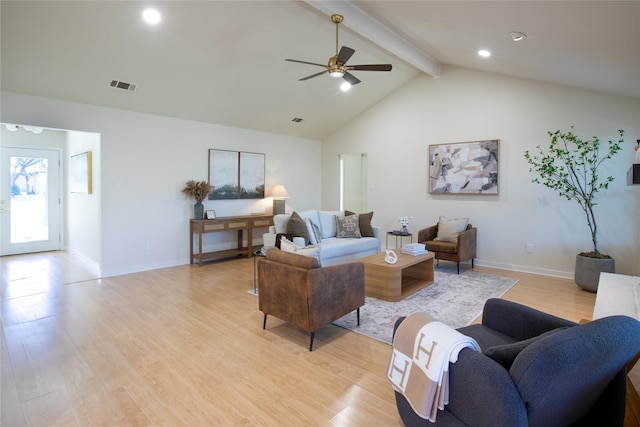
pixel 462 250
pixel 296 289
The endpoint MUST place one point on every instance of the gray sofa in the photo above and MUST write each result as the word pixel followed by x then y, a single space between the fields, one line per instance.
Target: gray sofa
pixel 528 375
pixel 333 250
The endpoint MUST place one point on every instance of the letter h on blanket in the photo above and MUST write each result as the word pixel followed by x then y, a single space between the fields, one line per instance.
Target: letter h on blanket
pixel 419 365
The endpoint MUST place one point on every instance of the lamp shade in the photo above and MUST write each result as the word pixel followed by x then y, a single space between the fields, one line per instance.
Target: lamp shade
pixel 279 192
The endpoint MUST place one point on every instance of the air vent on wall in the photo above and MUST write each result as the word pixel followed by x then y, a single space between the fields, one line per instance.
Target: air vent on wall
pixel 297 120
pixel 123 85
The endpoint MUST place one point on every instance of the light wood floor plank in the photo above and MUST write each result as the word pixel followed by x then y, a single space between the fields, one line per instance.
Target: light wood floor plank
pixel 185 346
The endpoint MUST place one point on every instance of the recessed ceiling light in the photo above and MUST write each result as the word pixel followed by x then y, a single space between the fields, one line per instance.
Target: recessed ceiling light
pixel 517 36
pixel 345 86
pixel 484 53
pixel 151 16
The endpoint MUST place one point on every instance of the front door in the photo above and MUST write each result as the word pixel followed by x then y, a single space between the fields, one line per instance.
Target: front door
pixel 29 200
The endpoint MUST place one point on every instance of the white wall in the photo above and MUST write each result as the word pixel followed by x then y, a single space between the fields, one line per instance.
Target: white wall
pixel 82 217
pixel 145 162
pixel 147 159
pixel 465 105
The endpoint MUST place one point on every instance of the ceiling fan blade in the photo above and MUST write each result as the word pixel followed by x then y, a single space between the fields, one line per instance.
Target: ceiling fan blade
pixel 351 79
pixel 314 75
pixel 370 67
pixel 305 62
pixel 345 54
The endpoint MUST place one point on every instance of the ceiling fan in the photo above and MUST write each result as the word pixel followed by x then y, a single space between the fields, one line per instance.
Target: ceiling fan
pixel 337 66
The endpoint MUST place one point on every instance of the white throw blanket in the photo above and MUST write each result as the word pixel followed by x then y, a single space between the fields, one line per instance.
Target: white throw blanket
pixel 419 365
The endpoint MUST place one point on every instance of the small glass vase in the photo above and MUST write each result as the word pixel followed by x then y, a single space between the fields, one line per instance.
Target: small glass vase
pixel 198 210
pixel 404 230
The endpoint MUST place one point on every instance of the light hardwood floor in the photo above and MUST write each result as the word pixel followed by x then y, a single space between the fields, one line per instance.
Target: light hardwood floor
pixel 185 346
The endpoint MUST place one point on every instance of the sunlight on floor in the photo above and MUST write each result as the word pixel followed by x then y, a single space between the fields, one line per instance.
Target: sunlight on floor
pixel 31 284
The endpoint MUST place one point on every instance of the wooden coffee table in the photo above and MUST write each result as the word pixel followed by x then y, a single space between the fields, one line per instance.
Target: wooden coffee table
pixel 392 282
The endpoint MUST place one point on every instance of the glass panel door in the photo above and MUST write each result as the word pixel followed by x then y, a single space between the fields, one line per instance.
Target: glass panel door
pixel 353 182
pixel 29 200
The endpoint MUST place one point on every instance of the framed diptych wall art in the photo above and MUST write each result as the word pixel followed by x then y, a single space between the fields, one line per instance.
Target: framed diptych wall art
pixel 464 167
pixel 236 175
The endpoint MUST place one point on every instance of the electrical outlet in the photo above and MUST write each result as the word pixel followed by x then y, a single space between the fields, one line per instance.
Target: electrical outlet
pixel 530 248
pixel 150 246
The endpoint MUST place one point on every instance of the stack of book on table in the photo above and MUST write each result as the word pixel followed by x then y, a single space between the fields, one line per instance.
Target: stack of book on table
pixel 414 249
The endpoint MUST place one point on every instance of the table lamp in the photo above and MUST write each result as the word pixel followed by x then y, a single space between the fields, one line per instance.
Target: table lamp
pixel 278 193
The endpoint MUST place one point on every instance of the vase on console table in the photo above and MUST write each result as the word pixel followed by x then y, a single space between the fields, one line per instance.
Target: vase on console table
pixel 198 190
pixel 198 210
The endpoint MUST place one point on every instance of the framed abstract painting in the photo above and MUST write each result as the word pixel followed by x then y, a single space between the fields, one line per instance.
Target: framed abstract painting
pixel 464 167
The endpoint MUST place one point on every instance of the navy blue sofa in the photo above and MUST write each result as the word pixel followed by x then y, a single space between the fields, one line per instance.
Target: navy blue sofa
pixel 543 371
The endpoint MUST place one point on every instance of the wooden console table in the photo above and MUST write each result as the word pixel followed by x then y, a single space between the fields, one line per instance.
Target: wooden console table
pixel 229 223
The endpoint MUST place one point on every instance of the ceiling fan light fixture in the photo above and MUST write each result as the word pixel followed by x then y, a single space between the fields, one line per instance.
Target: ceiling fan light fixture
pixel 337 66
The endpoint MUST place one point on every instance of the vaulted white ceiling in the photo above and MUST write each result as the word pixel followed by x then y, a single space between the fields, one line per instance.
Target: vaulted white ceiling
pixel 223 61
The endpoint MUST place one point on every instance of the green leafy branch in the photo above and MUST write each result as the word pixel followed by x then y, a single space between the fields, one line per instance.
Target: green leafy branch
pixel 570 167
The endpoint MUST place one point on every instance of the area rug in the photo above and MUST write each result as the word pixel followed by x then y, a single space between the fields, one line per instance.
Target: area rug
pixel 456 300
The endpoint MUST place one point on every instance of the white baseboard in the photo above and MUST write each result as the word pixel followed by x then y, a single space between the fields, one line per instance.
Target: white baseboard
pixel 525 269
pixel 89 263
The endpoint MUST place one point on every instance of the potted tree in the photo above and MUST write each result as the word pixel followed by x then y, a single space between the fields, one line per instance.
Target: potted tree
pixel 570 167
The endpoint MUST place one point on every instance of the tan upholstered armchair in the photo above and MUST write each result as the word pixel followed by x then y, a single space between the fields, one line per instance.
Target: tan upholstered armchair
pixel 461 250
pixel 296 289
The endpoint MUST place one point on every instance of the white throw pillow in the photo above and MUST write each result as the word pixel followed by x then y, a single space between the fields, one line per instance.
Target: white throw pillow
pixel 328 223
pixel 312 215
pixel 313 240
pixel 287 245
pixel 448 229
pixel 280 222
pixel 311 251
pixel 316 232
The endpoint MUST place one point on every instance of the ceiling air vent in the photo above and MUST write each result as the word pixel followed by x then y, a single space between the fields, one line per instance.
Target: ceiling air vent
pixel 123 85
pixel 297 120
